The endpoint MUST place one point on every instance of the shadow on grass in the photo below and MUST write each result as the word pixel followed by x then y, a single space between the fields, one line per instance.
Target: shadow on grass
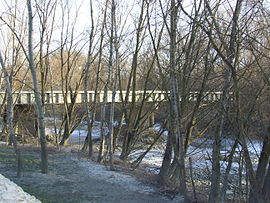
pixel 47 188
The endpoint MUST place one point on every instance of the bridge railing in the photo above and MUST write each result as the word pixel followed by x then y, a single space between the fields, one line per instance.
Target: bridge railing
pixel 57 97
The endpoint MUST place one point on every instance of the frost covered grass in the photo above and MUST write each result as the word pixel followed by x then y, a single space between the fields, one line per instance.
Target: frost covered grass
pixel 114 177
pixel 200 153
pixel 120 179
pixel 31 160
pixel 79 180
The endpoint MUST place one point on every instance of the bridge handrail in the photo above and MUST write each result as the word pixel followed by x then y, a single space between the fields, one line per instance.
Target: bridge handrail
pixel 56 96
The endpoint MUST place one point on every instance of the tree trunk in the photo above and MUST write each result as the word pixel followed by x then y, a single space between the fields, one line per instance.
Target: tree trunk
pixel 166 162
pixel 39 105
pixel 214 195
pixel 227 172
pixel 113 41
pixel 130 110
pixel 174 100
pixel 9 119
pixel 104 102
pixel 86 87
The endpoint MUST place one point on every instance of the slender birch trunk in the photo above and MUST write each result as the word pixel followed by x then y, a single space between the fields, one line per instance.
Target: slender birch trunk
pixel 104 102
pixel 214 195
pixel 130 115
pixel 9 112
pixel 113 69
pixel 39 105
pixel 86 87
pixel 174 100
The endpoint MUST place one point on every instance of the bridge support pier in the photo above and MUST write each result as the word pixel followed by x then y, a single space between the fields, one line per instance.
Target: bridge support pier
pixel 25 120
pixel 151 119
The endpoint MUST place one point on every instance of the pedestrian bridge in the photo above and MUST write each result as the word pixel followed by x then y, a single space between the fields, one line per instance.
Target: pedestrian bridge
pixel 58 97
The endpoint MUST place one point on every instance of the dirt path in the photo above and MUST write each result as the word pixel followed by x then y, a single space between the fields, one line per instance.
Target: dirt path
pixel 72 180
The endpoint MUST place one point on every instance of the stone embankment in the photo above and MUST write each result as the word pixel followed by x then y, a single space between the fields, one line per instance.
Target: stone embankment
pixel 12 193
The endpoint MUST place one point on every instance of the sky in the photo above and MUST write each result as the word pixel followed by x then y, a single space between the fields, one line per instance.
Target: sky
pixel 127 11
pixel 74 9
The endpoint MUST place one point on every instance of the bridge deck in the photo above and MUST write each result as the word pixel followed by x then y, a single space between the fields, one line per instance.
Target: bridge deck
pixel 58 97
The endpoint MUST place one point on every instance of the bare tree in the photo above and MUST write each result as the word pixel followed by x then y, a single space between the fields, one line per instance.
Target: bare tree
pixel 71 62
pixel 175 124
pixel 129 110
pixel 38 101
pixel 113 69
pixel 103 106
pixel 86 83
pixel 9 115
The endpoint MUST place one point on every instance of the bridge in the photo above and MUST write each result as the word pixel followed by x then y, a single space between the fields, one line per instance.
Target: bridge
pixel 25 114
pixel 57 97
